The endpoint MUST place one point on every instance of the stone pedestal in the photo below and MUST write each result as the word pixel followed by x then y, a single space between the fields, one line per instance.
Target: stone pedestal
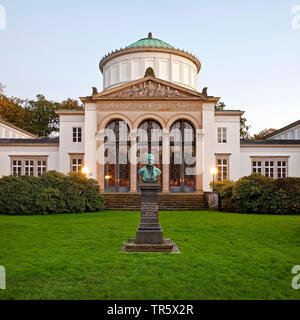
pixel 149 230
pixel 149 235
pixel 212 200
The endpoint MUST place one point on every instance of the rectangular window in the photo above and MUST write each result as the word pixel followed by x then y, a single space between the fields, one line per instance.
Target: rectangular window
pixel 77 134
pixel 17 167
pixel 222 168
pixel 272 167
pixel 33 166
pixel 257 167
pixel 41 167
pixel 222 135
pixel 77 162
pixel 281 169
pixel 29 167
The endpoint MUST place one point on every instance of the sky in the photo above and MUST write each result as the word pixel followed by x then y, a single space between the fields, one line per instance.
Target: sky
pixel 249 49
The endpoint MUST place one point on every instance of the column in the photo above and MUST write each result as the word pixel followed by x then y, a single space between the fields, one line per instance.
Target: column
pixel 165 159
pixel 100 158
pixel 199 159
pixel 90 143
pixel 132 158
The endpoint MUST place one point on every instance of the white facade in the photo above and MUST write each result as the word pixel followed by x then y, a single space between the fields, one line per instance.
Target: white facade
pixel 166 99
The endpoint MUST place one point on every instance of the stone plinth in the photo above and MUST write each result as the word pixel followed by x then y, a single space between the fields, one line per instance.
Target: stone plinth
pixel 149 230
pixel 149 235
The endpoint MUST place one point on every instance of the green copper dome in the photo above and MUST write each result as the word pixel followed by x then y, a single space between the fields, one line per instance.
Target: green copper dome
pixel 150 42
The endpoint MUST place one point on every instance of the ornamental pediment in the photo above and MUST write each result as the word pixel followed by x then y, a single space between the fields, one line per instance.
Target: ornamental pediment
pixel 148 88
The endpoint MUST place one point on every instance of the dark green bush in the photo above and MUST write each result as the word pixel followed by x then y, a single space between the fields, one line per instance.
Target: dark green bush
pixel 259 194
pixel 54 192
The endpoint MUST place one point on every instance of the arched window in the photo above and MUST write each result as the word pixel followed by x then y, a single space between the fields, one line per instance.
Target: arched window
pixel 182 157
pixel 116 148
pixel 149 140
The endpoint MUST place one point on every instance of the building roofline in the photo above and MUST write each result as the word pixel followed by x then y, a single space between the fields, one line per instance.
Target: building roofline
pixel 282 129
pixel 229 113
pixel 270 143
pixel 30 142
pixel 18 129
pixel 70 112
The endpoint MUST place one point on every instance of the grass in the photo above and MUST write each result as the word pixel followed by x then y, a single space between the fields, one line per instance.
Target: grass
pixel 223 256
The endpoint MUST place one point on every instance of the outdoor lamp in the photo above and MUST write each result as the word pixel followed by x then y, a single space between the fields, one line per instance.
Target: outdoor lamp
pixel 85 170
pixel 213 171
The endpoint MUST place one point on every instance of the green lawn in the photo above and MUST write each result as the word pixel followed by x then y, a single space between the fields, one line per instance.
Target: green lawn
pixel 222 256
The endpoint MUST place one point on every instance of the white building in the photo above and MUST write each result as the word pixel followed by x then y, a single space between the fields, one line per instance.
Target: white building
pixel 151 86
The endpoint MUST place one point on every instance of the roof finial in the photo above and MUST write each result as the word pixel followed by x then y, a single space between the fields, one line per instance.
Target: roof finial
pixel 150 35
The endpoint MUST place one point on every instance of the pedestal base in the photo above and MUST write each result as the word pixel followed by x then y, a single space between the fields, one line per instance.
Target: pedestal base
pixel 165 246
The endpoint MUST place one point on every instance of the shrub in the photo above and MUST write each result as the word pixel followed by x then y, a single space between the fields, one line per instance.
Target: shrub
pixel 54 192
pixel 259 194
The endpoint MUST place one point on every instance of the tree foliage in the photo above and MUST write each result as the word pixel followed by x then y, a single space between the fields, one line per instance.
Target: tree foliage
pixel 37 116
pixel 263 133
pixel 220 106
pixel 244 129
pixel 70 104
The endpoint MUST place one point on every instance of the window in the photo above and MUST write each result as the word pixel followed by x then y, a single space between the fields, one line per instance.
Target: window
pixel 272 167
pixel 41 167
pixel 33 166
pixel 281 169
pixel 257 167
pixel 17 167
pixel 222 167
pixel 77 134
pixel 29 167
pixel 77 162
pixel 222 135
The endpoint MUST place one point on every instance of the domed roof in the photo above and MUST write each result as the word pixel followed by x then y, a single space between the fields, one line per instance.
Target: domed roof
pixel 150 42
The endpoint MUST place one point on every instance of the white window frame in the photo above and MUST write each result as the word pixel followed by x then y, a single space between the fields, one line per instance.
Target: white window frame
pixel 77 134
pixel 220 167
pixel 76 157
pixel 266 166
pixel 17 167
pixel 29 166
pixel 222 135
pixel 41 167
pixel 32 163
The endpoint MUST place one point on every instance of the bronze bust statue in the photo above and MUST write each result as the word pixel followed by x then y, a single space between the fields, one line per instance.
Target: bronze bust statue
pixel 149 173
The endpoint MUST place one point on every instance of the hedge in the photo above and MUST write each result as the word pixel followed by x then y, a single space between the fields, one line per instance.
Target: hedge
pixel 259 194
pixel 52 193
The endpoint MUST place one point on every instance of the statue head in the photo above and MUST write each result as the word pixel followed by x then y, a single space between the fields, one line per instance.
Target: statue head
pixel 150 159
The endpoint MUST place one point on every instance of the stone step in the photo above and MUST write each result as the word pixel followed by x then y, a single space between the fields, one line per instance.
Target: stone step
pixel 166 201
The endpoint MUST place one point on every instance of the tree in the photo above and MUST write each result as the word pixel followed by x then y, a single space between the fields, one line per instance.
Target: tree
pixel 263 133
pixel 220 106
pixel 42 120
pixel 244 129
pixel 70 104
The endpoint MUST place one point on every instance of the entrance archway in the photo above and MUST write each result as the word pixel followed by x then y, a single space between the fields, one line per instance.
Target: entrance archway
pixel 182 157
pixel 149 140
pixel 116 148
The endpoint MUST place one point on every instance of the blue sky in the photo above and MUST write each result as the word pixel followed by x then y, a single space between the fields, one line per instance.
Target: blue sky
pixel 249 51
